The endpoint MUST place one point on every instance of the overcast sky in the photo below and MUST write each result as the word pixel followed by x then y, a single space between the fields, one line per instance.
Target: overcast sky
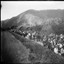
pixel 13 8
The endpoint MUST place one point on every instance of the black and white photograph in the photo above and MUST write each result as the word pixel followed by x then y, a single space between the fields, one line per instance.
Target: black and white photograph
pixel 32 32
pixel 32 0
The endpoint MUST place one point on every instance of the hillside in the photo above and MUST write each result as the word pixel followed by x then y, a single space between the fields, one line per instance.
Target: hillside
pixel 16 48
pixel 30 18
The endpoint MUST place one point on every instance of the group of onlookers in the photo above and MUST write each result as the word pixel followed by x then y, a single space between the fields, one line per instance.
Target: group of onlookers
pixel 53 41
pixel 57 43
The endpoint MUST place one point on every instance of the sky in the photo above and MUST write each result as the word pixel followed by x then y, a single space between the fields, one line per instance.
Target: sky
pixel 10 9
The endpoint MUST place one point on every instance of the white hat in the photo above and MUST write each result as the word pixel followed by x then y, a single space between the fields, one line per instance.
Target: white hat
pixel 56 50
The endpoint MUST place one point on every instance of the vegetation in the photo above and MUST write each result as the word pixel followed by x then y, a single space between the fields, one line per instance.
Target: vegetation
pixel 34 44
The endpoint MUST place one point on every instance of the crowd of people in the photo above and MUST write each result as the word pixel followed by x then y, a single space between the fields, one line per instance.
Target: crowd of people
pixel 53 41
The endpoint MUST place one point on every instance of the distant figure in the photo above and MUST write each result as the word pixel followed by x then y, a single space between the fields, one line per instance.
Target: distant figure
pixel 27 35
